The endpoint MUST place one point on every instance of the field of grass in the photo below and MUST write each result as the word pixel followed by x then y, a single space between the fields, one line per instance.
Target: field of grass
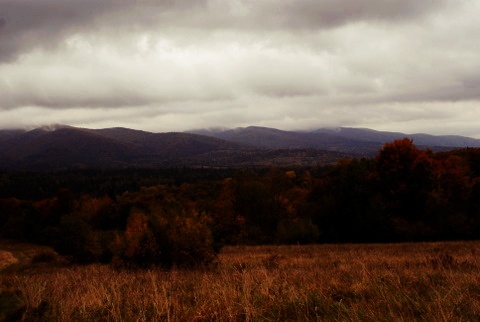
pixel 394 282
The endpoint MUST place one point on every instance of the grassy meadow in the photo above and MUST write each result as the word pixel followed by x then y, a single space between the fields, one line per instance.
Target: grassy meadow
pixel 370 282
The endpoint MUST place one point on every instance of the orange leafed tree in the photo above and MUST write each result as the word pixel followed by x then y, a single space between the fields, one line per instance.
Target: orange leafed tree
pixel 405 175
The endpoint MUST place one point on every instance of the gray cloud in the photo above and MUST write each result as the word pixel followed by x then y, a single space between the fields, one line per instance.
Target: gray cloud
pixel 291 64
pixel 29 24
pixel 314 14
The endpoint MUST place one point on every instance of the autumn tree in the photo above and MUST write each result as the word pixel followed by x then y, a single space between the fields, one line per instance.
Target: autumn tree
pixel 346 206
pixel 140 242
pixel 256 202
pixel 405 177
pixel 448 203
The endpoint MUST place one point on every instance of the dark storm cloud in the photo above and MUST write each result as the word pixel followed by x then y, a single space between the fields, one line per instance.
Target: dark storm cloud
pixel 309 14
pixel 30 24
pixel 330 13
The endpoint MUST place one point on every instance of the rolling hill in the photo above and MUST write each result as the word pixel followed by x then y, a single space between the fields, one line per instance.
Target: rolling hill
pixel 65 147
pixel 419 139
pixel 358 141
pixel 69 147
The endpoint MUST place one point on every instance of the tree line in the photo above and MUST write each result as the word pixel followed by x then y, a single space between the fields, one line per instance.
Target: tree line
pixel 184 216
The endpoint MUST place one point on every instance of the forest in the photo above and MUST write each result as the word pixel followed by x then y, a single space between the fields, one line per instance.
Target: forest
pixel 184 216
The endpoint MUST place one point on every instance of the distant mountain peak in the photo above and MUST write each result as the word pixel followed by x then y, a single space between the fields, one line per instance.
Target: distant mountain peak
pixel 334 129
pixel 54 127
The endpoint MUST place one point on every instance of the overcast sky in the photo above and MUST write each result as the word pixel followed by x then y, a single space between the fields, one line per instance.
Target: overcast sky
pixel 167 65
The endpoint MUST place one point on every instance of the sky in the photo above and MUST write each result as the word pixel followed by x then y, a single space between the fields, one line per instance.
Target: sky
pixel 175 65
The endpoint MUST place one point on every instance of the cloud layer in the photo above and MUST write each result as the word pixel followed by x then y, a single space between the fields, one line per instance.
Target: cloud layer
pixel 177 65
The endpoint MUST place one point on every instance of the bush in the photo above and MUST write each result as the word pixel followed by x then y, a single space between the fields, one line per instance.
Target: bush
pixel 165 236
pixel 297 231
pixel 190 240
pixel 73 237
pixel 44 257
pixel 139 243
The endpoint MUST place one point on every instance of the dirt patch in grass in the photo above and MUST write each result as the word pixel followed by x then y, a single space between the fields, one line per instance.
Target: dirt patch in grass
pixel 14 255
pixel 7 259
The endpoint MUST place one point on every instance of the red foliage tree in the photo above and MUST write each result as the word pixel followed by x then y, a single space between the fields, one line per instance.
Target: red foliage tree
pixel 405 175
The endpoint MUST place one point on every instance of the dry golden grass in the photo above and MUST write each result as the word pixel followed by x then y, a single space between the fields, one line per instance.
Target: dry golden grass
pixel 394 282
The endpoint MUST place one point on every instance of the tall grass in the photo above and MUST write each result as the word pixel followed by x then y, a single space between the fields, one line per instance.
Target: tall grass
pixel 408 282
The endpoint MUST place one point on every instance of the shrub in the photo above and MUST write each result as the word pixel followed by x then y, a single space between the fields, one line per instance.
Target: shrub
pixel 191 240
pixel 140 246
pixel 297 231
pixel 73 237
pixel 165 236
pixel 44 257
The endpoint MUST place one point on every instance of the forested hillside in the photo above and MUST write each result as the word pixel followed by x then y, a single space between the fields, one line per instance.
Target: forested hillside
pixel 66 148
pixel 184 216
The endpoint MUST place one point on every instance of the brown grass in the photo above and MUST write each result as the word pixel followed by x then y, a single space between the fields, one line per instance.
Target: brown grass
pixel 395 282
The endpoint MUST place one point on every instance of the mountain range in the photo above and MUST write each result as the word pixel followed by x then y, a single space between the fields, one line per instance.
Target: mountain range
pixel 66 147
pixel 344 139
